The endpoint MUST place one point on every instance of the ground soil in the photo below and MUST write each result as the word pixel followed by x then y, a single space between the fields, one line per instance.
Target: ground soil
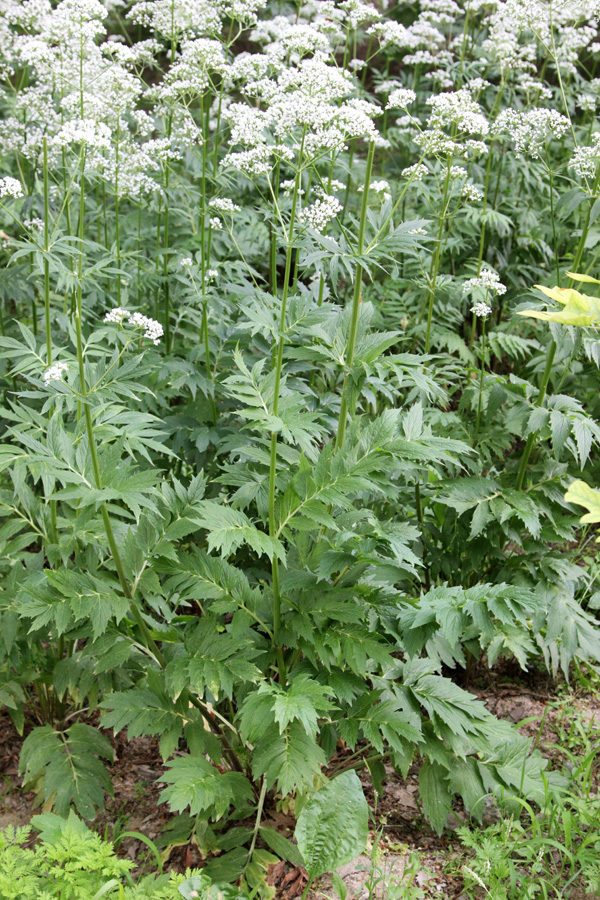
pixel 544 708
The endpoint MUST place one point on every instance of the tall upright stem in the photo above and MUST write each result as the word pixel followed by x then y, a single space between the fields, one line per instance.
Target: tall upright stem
pixel 435 263
pixel 117 234
pixel 356 299
pixel 481 373
pixel 540 399
pixel 47 321
pixel 273 455
pixel 46 260
pixel 205 251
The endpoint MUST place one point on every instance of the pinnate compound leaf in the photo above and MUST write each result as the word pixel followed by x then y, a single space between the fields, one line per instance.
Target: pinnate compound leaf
pixel 192 781
pixel 332 828
pixel 229 528
pixel 292 758
pixel 144 711
pixel 70 762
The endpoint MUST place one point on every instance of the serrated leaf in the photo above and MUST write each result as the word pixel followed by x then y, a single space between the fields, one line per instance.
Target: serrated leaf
pixel 435 794
pixel 229 528
pixel 71 765
pixel 192 781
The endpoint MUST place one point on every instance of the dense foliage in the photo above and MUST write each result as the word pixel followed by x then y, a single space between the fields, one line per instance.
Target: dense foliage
pixel 70 862
pixel 279 461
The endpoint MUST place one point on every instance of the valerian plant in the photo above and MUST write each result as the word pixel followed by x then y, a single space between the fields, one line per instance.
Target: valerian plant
pixel 276 456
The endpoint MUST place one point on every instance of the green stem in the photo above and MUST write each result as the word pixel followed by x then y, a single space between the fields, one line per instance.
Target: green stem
pixel 117 235
pixel 275 410
pixel 540 399
pixel 259 809
pixel 149 641
pixel 205 260
pixel 553 220
pixel 421 520
pixel 481 374
pixel 435 263
pixel 356 300
pixel 46 260
pixel 165 266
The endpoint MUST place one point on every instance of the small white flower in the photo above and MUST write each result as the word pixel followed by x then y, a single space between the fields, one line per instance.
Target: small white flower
pixel 212 274
pixel 415 172
pixel 401 98
pixel 224 204
pixel 378 187
pixel 470 192
pixel 10 187
pixel 117 315
pixel 55 372
pixel 488 280
pixel 34 224
pixel 215 223
pixel 322 211
pixel 481 309
pixel 186 262
pixel 153 330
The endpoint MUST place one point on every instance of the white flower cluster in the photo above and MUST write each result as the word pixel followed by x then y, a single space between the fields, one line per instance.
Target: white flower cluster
pixel 117 315
pixel 191 75
pixel 481 309
pixel 529 130
pixel 10 187
pixel 153 330
pixel 401 98
pixel 458 109
pixel 224 204
pixel 471 192
pixel 584 161
pixel 416 172
pixel 488 280
pixel 85 131
pixel 377 187
pixel 322 211
pixel 55 372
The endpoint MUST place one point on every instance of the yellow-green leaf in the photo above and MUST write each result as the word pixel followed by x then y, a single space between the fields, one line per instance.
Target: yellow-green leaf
pixel 579 309
pixel 577 276
pixel 583 495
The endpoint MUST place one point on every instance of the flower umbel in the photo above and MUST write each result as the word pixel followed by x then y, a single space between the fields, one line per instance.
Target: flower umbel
pixel 153 330
pixel 55 372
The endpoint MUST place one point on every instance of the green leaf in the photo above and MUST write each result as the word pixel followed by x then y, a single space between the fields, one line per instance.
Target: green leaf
pixel 144 711
pixel 229 528
pixel 281 845
pixel 291 759
pixel 435 794
pixel 71 767
pixel 583 495
pixel 579 309
pixel 333 827
pixel 192 781
pixel 215 661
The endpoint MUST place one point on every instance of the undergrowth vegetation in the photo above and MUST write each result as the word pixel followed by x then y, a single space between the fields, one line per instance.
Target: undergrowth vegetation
pixel 280 462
